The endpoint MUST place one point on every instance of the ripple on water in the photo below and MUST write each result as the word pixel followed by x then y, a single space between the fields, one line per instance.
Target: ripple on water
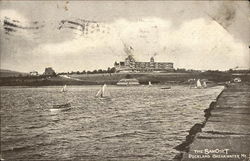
pixel 136 124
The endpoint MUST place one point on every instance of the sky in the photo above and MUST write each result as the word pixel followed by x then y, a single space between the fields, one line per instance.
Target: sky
pixel 87 35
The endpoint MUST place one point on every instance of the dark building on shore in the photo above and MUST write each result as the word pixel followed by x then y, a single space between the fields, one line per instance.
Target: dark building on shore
pixel 49 72
pixel 130 65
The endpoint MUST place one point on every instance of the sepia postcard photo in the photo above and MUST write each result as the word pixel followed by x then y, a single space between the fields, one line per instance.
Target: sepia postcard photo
pixel 128 80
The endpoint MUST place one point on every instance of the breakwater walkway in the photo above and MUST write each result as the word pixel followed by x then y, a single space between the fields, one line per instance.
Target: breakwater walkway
pixel 225 133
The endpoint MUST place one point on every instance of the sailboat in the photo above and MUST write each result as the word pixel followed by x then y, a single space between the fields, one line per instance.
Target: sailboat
pixel 61 107
pixel 102 93
pixel 198 84
pixel 149 83
pixel 64 88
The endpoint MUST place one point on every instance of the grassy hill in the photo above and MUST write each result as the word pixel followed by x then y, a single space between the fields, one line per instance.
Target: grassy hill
pixel 143 78
pixel 113 78
pixel 10 73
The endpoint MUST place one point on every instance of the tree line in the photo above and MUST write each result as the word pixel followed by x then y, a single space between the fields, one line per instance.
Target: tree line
pixel 99 71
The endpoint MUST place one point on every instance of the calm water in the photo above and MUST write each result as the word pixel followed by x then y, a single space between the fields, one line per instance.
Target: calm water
pixel 137 123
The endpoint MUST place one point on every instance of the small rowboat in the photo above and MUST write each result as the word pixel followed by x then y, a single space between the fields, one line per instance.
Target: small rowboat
pixel 61 107
pixel 166 88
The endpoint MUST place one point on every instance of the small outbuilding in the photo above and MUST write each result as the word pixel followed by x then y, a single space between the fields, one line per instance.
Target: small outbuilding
pixel 33 73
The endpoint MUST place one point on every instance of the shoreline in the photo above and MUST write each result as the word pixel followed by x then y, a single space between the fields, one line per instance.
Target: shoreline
pixel 112 79
pixel 206 139
pixel 196 128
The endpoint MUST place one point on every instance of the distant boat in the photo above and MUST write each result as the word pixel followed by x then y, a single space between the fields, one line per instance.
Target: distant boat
pixel 128 82
pixel 64 88
pixel 61 107
pixel 237 80
pixel 102 93
pixel 166 87
pixel 149 83
pixel 198 84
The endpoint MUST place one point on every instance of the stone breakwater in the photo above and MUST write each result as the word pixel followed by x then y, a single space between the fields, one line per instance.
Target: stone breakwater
pixel 225 133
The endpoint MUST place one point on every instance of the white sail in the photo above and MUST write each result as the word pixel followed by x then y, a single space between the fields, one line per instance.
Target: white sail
pixel 198 84
pixel 64 88
pixel 149 83
pixel 98 93
pixel 102 92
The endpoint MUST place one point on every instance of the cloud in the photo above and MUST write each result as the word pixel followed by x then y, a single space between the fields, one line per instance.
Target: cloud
pixel 199 43
pixel 16 27
pixel 13 14
pixel 198 35
pixel 78 44
pixel 203 44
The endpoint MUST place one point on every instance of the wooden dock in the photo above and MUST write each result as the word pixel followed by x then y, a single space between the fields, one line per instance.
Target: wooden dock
pixel 225 133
